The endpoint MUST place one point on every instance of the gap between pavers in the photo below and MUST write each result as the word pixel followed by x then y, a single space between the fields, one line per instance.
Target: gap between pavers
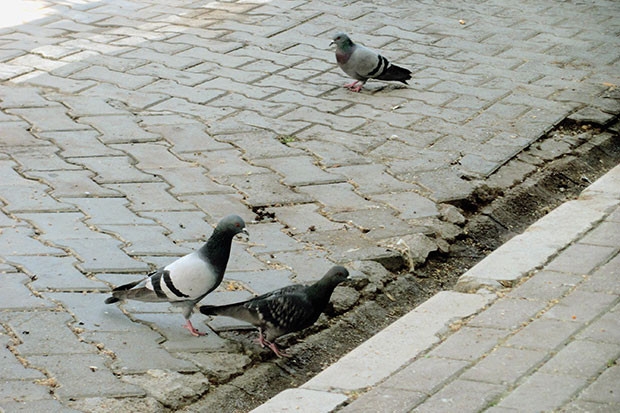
pixel 400 342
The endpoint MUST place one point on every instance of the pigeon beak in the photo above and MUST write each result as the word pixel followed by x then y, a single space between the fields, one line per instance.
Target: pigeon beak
pixel 331 43
pixel 246 234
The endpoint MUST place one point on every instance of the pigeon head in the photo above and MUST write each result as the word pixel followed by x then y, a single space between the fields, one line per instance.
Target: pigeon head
pixel 231 225
pixel 342 41
pixel 336 275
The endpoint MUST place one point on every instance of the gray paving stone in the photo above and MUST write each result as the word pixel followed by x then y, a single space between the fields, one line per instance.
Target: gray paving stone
pixel 118 129
pixel 15 392
pixel 185 137
pixel 300 171
pixel 45 333
pixel 20 240
pixel 54 273
pixel 307 264
pixel 83 375
pixel 385 400
pixel 72 184
pixel 605 234
pixel 224 163
pixel 605 329
pixel 582 358
pixel 338 197
pixel 590 257
pixel 605 278
pixel 507 314
pixel 145 240
pixel 410 204
pixel 103 404
pixel 311 400
pixel 303 218
pixel 465 395
pixel 505 365
pixel 115 169
pixel 77 143
pixel 543 392
pixel 49 405
pixel 269 238
pixel 149 196
pixel 605 388
pixel 131 346
pixel 426 374
pixel 379 223
pixel 266 190
pixel 217 206
pixel 546 286
pixel 90 312
pixel 110 211
pixel 592 407
pixel 170 325
pixel 11 368
pixel 469 343
pixel 543 334
pixel 373 179
pixel 581 306
pixel 102 255
pixel 51 118
pixel 43 159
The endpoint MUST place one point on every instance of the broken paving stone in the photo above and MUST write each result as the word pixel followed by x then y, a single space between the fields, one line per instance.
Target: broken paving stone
pixel 220 366
pixel 105 405
pixel 343 298
pixel 170 388
pixel 451 214
pixel 414 248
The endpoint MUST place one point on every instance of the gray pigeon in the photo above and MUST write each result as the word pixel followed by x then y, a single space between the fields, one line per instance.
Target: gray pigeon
pixel 283 311
pixel 362 63
pixel 189 279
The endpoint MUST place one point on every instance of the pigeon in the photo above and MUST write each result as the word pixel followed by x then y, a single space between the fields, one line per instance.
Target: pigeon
pixel 362 63
pixel 189 279
pixel 283 311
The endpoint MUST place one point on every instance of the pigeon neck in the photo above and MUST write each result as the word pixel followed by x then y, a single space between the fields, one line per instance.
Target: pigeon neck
pixel 321 291
pixel 217 251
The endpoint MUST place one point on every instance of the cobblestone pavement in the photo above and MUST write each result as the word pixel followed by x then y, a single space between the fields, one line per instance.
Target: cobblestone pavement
pixel 129 127
pixel 550 344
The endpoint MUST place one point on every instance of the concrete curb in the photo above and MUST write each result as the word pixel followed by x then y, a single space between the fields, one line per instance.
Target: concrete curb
pixel 422 328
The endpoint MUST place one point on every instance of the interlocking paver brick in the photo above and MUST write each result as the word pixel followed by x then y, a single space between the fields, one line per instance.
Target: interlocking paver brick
pixel 385 400
pixel 159 199
pixel 546 286
pixel 507 314
pixel 605 279
pixel 582 358
pixel 46 333
pixel 72 183
pixel 581 306
pixel 426 374
pixel 84 375
pixel 467 395
pixel 43 79
pixel 118 129
pixel 505 365
pixel 54 273
pixel 300 171
pixel 595 256
pixel 543 334
pixel 469 343
pixel 543 392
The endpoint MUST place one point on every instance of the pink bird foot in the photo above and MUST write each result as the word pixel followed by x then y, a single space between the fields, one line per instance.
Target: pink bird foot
pixel 192 330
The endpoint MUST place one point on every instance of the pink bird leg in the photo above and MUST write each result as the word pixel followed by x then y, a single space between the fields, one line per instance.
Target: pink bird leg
pixel 192 330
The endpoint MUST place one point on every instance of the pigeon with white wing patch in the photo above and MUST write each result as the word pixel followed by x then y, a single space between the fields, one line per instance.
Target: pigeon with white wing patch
pixel 362 63
pixel 189 279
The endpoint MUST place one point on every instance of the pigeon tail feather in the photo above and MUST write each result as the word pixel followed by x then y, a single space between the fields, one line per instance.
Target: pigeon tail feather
pixel 396 73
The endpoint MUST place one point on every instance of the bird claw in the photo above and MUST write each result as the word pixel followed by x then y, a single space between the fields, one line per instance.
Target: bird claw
pixel 355 86
pixel 192 330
